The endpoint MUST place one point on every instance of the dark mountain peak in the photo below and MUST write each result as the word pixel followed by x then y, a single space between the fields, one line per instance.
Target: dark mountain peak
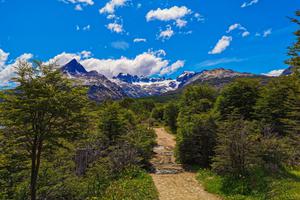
pixel 128 78
pixel 287 71
pixel 73 67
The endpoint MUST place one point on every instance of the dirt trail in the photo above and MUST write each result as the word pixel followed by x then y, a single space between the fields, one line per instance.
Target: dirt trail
pixel 170 179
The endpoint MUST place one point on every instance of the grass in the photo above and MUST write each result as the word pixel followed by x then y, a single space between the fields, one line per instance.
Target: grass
pixel 132 187
pixel 258 186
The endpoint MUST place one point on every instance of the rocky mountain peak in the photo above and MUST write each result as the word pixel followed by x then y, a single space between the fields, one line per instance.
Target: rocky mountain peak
pixel 73 67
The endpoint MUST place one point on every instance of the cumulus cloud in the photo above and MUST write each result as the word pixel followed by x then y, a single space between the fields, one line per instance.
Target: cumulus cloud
pixel 166 34
pixel 250 3
pixel 115 27
pixel 236 26
pixel 168 14
pixel 3 58
pixel 222 45
pixel 181 23
pixel 172 68
pixel 146 64
pixel 136 40
pixel 120 45
pixel 79 3
pixel 9 71
pixel 110 6
pixel 246 33
pixel 274 73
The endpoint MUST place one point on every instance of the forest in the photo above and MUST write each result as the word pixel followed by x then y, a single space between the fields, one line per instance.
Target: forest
pixel 243 140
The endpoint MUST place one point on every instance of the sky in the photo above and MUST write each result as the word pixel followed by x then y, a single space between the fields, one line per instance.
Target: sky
pixel 148 37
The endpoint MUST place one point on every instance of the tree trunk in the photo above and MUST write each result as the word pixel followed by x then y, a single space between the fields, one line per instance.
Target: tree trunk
pixel 35 165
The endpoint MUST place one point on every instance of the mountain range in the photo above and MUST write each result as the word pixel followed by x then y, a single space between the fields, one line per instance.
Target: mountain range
pixel 123 85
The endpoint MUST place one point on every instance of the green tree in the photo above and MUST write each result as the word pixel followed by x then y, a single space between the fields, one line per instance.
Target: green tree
pixel 236 150
pixel 41 112
pixel 196 140
pixel 294 51
pixel 170 115
pixel 197 99
pixel 272 106
pixel 238 98
pixel 112 123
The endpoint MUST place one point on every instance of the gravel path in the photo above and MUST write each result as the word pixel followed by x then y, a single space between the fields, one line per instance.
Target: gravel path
pixel 171 181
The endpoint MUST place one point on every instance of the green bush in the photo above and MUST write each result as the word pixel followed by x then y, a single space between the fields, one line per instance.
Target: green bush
pixel 258 185
pixel 134 184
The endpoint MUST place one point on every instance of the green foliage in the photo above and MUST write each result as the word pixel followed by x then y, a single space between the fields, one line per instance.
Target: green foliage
pixel 196 140
pixel 38 116
pixel 170 115
pixel 197 99
pixel 238 98
pixel 158 113
pixel 133 185
pixel 236 150
pixel 272 106
pixel 257 186
pixel 295 49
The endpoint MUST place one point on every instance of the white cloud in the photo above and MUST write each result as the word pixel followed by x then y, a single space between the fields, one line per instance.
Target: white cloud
pixel 120 45
pixel 275 73
pixel 267 33
pixel 9 71
pixel 250 3
pixel 87 2
pixel 168 14
pixel 222 45
pixel 63 58
pixel 166 34
pixel 110 6
pixel 181 23
pixel 146 64
pixel 3 58
pixel 233 27
pixel 85 54
pixel 136 40
pixel 246 33
pixel 199 17
pixel 172 68
pixel 209 63
pixel 115 27
pixel 78 7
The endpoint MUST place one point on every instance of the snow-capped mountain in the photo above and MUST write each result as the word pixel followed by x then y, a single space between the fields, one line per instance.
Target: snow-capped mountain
pixel 100 87
pixel 127 85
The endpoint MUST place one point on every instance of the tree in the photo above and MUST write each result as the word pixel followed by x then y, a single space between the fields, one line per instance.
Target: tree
pixel 238 98
pixel 294 51
pixel 236 150
pixel 272 106
pixel 197 99
pixel 170 116
pixel 41 112
pixel 196 140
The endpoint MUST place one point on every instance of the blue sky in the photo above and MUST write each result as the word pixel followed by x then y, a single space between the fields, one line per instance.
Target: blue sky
pixel 149 37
